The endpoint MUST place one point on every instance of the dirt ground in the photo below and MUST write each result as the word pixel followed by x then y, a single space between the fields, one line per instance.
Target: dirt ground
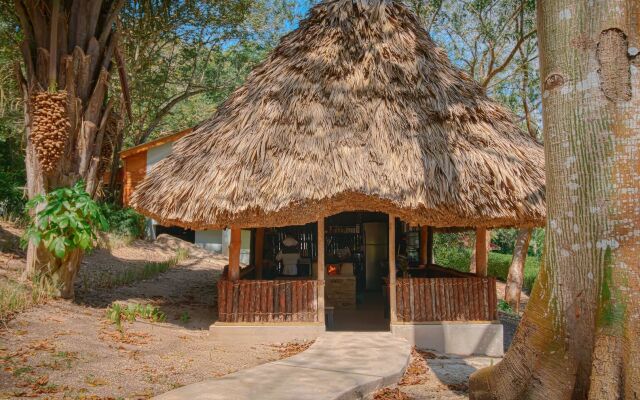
pixel 66 349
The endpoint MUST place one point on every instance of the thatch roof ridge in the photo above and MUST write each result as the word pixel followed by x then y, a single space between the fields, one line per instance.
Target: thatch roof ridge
pixel 357 109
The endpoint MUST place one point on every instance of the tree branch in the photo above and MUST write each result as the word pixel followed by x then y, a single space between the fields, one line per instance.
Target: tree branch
pixel 507 61
pixel 165 110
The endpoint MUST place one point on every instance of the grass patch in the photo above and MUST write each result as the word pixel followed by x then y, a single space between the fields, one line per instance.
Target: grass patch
pixel 147 271
pixel 116 313
pixel 18 296
pixel 459 259
pixel 185 317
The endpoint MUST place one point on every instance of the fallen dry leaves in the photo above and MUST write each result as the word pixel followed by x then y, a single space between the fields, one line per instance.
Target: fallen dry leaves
pixel 125 336
pixel 416 372
pixel 289 349
pixel 390 394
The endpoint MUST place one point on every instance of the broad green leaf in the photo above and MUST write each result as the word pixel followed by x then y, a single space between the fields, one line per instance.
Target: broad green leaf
pixel 59 248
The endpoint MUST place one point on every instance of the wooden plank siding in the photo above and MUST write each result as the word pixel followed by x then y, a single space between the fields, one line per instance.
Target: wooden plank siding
pixel 268 301
pixel 135 169
pixel 446 299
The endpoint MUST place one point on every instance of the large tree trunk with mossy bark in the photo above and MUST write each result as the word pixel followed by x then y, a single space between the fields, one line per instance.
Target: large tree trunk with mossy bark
pixel 578 338
pixel 67 52
pixel 515 278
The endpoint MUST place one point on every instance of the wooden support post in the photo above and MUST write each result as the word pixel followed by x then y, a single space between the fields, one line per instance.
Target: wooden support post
pixel 392 268
pixel 424 236
pixel 426 245
pixel 430 245
pixel 481 252
pixel 258 249
pixel 321 270
pixel 234 254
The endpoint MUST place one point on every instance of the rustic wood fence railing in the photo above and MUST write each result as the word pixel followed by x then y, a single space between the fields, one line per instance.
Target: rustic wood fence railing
pixel 446 299
pixel 268 301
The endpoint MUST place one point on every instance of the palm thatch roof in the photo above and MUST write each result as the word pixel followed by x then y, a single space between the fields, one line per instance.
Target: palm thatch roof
pixel 357 109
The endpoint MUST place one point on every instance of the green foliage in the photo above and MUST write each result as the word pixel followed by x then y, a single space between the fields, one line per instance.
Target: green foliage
pixel 116 313
pixel 185 58
pixel 536 245
pixel 450 251
pixel 505 240
pixel 458 258
pixel 505 307
pixel 125 222
pixel 12 172
pixel 185 317
pixel 66 221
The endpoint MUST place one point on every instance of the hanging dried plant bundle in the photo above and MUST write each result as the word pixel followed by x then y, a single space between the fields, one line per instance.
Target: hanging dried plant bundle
pixel 50 127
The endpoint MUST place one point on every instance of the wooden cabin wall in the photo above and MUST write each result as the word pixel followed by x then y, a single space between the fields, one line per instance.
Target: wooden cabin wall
pixel 135 169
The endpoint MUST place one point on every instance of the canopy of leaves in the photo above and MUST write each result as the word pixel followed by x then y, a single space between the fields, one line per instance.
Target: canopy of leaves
pixel 186 57
pixel 12 173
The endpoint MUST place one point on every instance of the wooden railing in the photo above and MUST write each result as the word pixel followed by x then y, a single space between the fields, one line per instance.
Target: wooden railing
pixel 446 299
pixel 268 301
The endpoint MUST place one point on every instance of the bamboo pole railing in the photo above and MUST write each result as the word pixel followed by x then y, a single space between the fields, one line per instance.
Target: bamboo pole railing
pixel 268 301
pixel 446 299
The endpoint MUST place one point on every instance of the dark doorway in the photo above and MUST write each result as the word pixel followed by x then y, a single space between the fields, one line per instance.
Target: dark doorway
pixel 357 246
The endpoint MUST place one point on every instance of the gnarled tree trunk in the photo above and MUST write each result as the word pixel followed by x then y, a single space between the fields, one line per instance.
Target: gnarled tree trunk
pixel 578 338
pixel 515 278
pixel 68 46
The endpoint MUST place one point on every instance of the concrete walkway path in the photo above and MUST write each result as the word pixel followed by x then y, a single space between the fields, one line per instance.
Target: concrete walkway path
pixel 339 365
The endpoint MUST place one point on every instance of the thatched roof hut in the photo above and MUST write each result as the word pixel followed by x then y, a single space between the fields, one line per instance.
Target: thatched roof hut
pixel 357 109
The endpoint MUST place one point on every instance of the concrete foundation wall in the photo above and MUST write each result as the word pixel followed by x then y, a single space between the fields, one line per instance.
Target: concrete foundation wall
pixel 266 333
pixel 462 338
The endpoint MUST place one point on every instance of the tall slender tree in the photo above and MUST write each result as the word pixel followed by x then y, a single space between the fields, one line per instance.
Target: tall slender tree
pixel 67 53
pixel 515 278
pixel 578 338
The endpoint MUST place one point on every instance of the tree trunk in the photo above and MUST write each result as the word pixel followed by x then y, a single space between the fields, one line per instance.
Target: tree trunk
pixel 472 264
pixel 515 278
pixel 67 46
pixel 578 338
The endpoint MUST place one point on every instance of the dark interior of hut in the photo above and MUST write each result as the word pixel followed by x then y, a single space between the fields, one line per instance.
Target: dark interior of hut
pixel 357 264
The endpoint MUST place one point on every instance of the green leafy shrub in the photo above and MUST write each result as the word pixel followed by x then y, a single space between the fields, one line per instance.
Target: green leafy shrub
pixel 11 196
pixel 116 313
pixel 124 222
pixel 185 317
pixel 505 307
pixel 536 245
pixel 504 239
pixel 12 170
pixel 67 220
pixel 499 267
pixel 459 258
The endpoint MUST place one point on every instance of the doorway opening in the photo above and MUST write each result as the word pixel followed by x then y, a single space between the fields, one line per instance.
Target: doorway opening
pixel 357 259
